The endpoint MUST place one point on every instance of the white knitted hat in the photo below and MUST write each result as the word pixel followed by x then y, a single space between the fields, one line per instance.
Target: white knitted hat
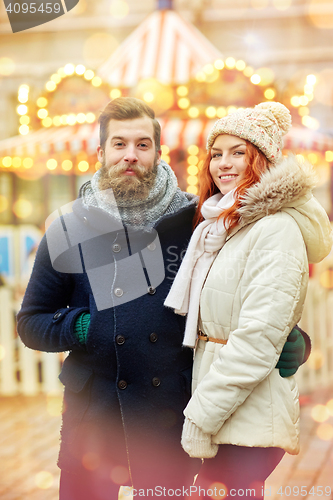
pixel 264 125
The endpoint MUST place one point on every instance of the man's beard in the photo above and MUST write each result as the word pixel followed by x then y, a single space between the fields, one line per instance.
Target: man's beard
pixel 134 187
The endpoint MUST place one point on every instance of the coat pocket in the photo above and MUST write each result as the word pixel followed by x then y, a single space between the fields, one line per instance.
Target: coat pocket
pixel 77 380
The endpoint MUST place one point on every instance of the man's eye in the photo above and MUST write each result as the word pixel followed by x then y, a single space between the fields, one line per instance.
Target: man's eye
pixel 143 145
pixel 119 143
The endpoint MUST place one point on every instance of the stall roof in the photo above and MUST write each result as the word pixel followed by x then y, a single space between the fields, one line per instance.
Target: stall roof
pixel 176 133
pixel 165 47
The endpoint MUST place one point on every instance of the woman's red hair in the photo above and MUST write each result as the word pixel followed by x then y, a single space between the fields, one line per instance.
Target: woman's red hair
pixel 257 164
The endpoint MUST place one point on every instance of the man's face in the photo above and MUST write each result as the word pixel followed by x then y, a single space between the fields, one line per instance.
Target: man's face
pixel 129 159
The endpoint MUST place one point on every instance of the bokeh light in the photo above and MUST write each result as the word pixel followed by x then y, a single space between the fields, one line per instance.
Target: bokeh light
pixel 193 149
pixel 115 93
pixel 50 86
pixel 28 162
pixel 269 93
pixel 22 208
pixel 91 461
pixel 183 103
pixel 230 62
pixel 7 161
pixel 320 413
pixel 67 165
pixel 7 66
pixel 83 166
pixel 219 490
pixel 165 149
pixel 193 160
pixel 193 112
pixel 192 180
pixel 119 475
pixel 219 64
pixel 24 129
pixel 320 13
pixel 51 164
pixel 42 102
pixel 325 432
pixel 44 480
pixel 192 189
pixel 69 69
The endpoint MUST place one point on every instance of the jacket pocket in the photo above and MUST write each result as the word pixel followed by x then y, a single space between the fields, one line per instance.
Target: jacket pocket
pixel 77 380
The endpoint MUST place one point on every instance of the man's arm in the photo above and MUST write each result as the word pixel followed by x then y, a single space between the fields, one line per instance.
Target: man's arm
pixel 45 322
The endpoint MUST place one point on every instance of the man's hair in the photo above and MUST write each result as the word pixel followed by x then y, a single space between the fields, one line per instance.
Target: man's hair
pixel 127 108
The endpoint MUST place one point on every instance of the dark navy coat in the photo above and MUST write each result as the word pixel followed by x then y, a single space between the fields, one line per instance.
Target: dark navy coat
pixel 125 390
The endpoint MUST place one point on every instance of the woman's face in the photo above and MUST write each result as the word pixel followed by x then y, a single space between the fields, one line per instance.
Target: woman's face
pixel 227 166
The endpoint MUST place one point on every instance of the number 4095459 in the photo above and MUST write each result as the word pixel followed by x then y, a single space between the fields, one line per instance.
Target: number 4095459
pixel 31 7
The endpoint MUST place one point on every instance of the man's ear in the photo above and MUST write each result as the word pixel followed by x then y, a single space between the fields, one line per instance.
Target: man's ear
pixel 158 157
pixel 100 154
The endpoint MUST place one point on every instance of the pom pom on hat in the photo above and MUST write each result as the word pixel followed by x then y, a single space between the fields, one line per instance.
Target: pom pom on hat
pixel 281 114
pixel 264 125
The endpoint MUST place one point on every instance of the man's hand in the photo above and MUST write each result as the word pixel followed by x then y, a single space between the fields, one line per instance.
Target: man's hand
pixel 81 327
pixel 293 354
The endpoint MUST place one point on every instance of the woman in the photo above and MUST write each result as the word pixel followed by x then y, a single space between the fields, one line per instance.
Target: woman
pixel 242 284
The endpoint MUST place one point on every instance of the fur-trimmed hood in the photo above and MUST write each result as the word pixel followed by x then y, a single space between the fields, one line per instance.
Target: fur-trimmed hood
pixel 288 187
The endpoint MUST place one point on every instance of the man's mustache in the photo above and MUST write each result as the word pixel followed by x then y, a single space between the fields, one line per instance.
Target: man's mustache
pixel 116 170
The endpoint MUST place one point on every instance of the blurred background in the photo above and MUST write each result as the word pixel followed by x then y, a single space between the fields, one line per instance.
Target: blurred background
pixel 193 61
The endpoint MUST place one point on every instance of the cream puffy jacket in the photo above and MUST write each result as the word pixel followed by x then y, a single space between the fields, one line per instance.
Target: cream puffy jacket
pixel 253 296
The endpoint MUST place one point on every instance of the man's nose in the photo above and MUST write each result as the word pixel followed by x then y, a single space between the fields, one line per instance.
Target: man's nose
pixel 130 155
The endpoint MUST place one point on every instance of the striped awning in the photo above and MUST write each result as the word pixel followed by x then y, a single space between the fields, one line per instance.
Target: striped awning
pixel 176 134
pixel 165 47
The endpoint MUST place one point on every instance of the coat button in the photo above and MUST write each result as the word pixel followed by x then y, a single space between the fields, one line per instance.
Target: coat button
pixel 151 247
pixel 156 382
pixel 153 337
pixel 151 290
pixel 118 292
pixel 116 247
pixel 120 339
pixel 57 315
pixel 85 220
pixel 122 384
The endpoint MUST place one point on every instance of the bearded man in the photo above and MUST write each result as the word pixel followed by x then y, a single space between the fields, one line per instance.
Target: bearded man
pixel 97 290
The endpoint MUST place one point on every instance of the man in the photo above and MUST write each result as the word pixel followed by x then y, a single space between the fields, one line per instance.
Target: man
pixel 97 290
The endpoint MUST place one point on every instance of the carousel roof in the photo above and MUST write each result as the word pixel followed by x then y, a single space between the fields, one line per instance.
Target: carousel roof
pixel 165 47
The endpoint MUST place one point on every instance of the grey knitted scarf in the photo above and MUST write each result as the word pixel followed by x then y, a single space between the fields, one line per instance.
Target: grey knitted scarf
pixel 164 198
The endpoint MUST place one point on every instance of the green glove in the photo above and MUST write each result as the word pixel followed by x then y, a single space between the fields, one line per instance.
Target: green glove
pixel 81 327
pixel 292 355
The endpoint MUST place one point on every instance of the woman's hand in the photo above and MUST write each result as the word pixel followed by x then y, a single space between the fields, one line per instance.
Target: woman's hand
pixel 196 443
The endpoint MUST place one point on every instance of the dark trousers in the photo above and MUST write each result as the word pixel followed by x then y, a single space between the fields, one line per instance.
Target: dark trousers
pixel 238 470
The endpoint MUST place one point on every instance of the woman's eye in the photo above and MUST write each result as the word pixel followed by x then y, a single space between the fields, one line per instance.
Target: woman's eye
pixel 239 152
pixel 216 155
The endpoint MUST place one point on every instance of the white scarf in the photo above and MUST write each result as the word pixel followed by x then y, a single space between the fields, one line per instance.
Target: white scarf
pixel 206 241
